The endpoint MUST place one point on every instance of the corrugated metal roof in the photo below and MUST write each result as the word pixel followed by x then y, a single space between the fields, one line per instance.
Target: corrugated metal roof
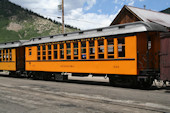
pixel 100 32
pixel 151 16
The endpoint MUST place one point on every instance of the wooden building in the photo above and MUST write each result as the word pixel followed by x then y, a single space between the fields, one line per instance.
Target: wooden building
pixel 130 14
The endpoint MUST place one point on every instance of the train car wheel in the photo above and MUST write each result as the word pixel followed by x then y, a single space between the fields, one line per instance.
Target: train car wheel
pixel 112 81
pixel 59 77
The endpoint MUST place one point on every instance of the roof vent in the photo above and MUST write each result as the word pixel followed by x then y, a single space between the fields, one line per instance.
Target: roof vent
pixel 51 37
pixel 99 30
pixel 81 32
pixel 65 35
pixel 39 38
pixel 121 27
pixel 12 42
pixel 5 43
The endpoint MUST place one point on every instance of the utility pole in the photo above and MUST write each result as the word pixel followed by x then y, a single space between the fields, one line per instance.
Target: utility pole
pixel 63 16
pixel 144 6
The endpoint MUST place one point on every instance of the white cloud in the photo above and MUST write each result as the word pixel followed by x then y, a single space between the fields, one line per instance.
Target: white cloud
pixel 100 11
pixel 128 2
pixel 74 12
pixel 131 2
pixel 89 20
pixel 90 4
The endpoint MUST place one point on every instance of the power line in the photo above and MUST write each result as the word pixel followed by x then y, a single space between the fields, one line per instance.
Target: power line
pixel 69 19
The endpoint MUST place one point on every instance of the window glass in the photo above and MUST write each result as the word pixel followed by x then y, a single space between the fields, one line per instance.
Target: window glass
pixel 44 57
pixel 30 52
pixel 49 52
pixel 10 53
pixel 83 50
pixel 61 54
pixel 44 52
pixel 55 52
pixel 38 48
pixel 39 58
pixel 68 51
pixel 110 50
pixel 38 53
pixel 55 46
pixel 55 55
pixel 61 46
pixel 0 56
pixel 44 47
pixel 75 50
pixel 3 55
pixel 121 47
pixel 92 49
pixel 49 47
pixel 6 54
pixel 101 48
pixel 61 51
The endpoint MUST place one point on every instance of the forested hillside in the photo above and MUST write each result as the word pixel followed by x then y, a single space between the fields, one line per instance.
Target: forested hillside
pixel 17 23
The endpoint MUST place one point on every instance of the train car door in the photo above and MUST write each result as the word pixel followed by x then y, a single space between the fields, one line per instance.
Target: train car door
pixel 165 57
pixel 20 57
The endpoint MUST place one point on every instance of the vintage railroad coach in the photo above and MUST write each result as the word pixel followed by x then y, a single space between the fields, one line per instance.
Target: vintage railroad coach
pixel 126 52
pixel 12 56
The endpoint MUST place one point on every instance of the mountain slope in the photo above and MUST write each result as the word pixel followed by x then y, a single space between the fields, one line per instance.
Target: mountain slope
pixel 166 11
pixel 17 23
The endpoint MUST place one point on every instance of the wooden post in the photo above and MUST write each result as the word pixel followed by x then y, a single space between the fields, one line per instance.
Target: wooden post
pixel 115 48
pixel 87 50
pixel 96 49
pixel 79 50
pixel 72 51
pixel 52 51
pixel 58 51
pixel 62 16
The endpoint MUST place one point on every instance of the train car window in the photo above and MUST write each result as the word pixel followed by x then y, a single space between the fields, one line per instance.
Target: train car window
pixel 101 48
pixel 49 47
pixel 30 51
pixel 38 48
pixel 121 47
pixel 10 54
pixel 55 52
pixel 6 54
pixel 55 46
pixel 83 50
pixel 44 48
pixel 110 50
pixel 92 49
pixel 44 52
pixel 75 50
pixel 49 52
pixel 61 51
pixel 68 51
pixel 38 53
pixel 0 56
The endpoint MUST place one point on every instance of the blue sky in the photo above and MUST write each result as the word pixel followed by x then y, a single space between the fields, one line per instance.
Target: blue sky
pixel 88 14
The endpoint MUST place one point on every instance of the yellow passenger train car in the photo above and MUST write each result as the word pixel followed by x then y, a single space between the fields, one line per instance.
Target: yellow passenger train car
pixel 12 57
pixel 127 53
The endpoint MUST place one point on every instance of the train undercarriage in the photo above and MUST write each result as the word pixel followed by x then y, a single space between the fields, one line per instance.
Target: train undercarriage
pixel 134 81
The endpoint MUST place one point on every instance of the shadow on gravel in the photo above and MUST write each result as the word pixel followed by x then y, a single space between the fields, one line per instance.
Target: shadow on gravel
pixel 167 89
pixel 86 82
